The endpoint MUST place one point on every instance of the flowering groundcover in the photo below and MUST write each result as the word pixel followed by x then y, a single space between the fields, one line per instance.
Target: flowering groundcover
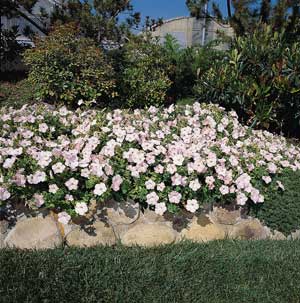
pixel 165 159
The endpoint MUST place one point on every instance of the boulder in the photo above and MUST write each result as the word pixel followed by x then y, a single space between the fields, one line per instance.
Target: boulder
pixel 149 235
pixel 277 235
pixel 34 233
pixel 149 216
pixel 223 216
pixel 99 233
pixel 3 226
pixel 202 229
pixel 295 235
pixel 250 229
pixel 116 213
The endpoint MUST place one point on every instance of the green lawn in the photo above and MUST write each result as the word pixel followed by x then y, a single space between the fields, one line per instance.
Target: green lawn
pixel 222 271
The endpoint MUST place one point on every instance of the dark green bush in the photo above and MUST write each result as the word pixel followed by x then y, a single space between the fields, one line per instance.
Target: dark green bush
pixel 259 77
pixel 281 209
pixel 216 272
pixel 186 63
pixel 10 49
pixel 65 67
pixel 144 79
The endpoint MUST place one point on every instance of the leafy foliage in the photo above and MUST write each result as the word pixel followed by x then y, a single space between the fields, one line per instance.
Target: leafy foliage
pixel 186 63
pixel 9 47
pixel 281 209
pixel 98 19
pixel 65 67
pixel 247 16
pixel 179 157
pixel 259 77
pixel 144 79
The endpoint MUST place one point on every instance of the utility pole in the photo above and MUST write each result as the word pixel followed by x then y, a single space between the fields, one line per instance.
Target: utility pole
pixel 204 25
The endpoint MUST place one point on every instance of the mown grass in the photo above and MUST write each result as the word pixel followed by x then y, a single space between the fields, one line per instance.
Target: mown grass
pixel 221 271
pixel 16 94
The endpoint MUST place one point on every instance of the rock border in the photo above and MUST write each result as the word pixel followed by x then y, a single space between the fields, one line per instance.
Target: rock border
pixel 114 223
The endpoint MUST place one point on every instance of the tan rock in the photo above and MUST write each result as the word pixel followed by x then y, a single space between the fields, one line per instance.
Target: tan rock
pixel 149 216
pixel 249 229
pixel 223 216
pixel 99 234
pixel 149 235
pixel 295 235
pixel 202 230
pixel 277 235
pixel 38 233
pixel 2 237
pixel 3 226
pixel 120 212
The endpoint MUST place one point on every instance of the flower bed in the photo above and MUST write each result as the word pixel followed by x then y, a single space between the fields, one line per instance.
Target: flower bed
pixel 177 157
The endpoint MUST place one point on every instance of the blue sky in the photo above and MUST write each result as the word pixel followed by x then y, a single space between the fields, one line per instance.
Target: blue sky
pixel 166 8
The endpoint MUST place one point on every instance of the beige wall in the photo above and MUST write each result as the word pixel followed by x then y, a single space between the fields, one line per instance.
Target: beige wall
pixel 188 30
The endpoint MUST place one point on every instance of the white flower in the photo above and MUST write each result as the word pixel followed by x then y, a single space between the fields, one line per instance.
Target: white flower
pixel 192 205
pixel 160 208
pixel 37 177
pixel 211 160
pixel 58 168
pixel 224 190
pixel 81 208
pixel 152 198
pixel 194 185
pixel 69 197
pixel 72 184
pixel 161 186
pixel 100 189
pixel 43 127
pixel 267 179
pixel 178 160
pixel 150 184
pixel 4 194
pixel 241 198
pixel 64 218
pixel 116 182
pixel 9 162
pixel 174 197
pixel 38 199
pixel 53 188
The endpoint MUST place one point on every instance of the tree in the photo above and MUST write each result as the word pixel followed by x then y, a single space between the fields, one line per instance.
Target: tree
pixel 99 19
pixel 22 8
pixel 245 16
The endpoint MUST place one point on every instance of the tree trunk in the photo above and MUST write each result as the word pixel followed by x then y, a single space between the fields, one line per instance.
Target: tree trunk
pixel 229 9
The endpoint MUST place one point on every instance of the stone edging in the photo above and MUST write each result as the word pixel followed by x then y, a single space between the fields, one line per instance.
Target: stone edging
pixel 125 223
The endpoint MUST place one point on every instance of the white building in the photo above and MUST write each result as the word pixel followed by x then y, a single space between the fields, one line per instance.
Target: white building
pixel 190 31
pixel 31 22
pixel 35 15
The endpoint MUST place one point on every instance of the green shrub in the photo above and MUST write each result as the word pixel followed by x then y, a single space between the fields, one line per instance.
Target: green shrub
pixel 16 94
pixel 259 77
pixel 144 78
pixel 10 49
pixel 281 209
pixel 186 63
pixel 65 67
